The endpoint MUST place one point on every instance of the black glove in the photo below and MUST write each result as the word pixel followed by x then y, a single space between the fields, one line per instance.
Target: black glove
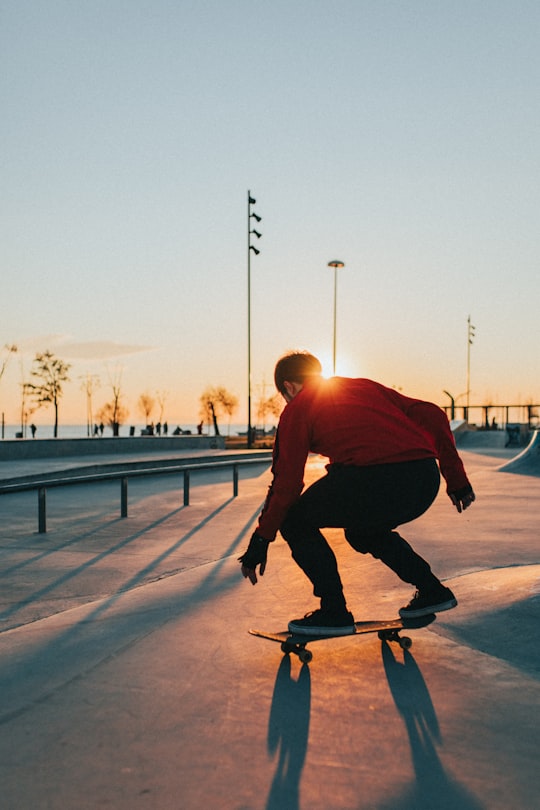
pixel 254 555
pixel 462 498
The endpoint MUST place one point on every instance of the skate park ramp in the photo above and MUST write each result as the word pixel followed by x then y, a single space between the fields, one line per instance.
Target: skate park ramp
pixel 499 614
pixel 486 442
pixel 528 461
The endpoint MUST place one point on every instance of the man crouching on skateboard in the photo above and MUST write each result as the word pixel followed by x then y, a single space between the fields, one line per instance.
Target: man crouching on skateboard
pixel 383 449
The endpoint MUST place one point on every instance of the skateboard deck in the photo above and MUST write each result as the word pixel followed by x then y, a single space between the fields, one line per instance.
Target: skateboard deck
pixel 387 631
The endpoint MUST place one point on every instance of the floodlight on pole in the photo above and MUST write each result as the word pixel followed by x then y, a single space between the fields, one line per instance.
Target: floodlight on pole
pixel 336 265
pixel 470 338
pixel 250 215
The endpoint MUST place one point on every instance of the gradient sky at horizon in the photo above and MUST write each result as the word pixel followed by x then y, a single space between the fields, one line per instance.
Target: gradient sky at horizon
pixel 401 138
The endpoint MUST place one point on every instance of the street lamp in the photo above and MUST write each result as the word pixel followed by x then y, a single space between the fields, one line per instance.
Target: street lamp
pixel 250 215
pixel 470 338
pixel 336 265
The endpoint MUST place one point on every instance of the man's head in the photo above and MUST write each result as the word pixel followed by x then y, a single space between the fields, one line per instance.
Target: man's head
pixel 293 369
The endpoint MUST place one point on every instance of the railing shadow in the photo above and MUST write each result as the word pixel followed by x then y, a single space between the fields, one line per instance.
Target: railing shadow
pixel 288 733
pixel 432 787
pixel 43 553
pixel 72 573
pixel 33 674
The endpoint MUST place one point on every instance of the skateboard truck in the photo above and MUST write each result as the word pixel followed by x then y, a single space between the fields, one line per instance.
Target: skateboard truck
pixel 299 647
pixel 386 631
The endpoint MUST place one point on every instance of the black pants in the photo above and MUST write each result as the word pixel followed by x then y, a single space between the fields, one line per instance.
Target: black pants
pixel 369 503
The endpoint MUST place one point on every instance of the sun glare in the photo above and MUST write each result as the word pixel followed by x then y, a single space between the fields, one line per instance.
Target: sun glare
pixel 345 366
pixel 326 363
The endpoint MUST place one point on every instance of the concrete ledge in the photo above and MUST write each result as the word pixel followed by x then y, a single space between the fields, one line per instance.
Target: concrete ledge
pixel 124 466
pixel 20 449
pixel 473 439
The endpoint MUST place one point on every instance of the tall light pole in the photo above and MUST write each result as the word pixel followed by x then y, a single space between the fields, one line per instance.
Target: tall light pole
pixel 470 339
pixel 336 265
pixel 250 215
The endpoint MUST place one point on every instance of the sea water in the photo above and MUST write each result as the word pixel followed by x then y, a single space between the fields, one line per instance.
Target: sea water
pixel 82 431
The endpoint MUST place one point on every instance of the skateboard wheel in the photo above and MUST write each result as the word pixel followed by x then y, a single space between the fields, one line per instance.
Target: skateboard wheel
pixel 405 643
pixel 305 656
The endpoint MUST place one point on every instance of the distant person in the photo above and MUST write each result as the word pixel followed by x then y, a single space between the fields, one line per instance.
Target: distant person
pixel 158 429
pixel 33 428
pixel 96 430
pixel 200 428
pixel 165 428
pixel 177 431
pixel 383 449
pixel 101 428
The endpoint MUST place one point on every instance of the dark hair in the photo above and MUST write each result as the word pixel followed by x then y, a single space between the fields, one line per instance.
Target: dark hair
pixel 295 367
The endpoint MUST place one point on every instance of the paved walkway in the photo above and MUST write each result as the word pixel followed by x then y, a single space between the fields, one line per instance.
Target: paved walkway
pixel 128 679
pixel 22 469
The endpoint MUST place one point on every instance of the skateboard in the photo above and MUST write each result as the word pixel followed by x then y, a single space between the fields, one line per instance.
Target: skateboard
pixel 386 630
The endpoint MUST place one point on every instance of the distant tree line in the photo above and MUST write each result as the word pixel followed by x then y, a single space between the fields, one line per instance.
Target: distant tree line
pixel 49 374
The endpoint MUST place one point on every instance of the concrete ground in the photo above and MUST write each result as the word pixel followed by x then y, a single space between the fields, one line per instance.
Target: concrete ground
pixel 128 679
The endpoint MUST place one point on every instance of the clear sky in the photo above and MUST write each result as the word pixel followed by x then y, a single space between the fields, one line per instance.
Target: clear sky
pixel 401 138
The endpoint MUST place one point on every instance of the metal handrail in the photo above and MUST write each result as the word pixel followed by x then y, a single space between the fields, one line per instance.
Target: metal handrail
pixel 123 476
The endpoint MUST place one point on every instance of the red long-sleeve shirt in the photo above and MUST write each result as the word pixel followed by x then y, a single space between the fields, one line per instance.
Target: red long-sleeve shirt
pixel 357 422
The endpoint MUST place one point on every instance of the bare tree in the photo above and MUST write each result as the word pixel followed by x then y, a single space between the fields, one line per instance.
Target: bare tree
pixel 161 397
pixel 26 411
pixel 214 403
pixel 90 383
pixel 113 414
pixel 7 351
pixel 51 373
pixel 146 405
pixel 269 406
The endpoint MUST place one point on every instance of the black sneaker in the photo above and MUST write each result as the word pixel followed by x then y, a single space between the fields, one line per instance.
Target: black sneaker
pixel 425 602
pixel 324 623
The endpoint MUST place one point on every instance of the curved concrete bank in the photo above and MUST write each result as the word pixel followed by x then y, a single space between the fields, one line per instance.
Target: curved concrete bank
pixel 498 614
pixel 528 461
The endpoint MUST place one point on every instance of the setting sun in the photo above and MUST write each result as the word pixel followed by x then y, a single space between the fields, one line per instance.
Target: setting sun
pixel 345 366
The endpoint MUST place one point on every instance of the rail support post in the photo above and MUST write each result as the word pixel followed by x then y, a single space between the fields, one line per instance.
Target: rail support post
pixel 186 487
pixel 235 480
pixel 123 497
pixel 42 510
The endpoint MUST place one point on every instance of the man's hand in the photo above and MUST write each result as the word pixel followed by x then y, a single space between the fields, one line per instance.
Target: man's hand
pixel 255 555
pixel 462 498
